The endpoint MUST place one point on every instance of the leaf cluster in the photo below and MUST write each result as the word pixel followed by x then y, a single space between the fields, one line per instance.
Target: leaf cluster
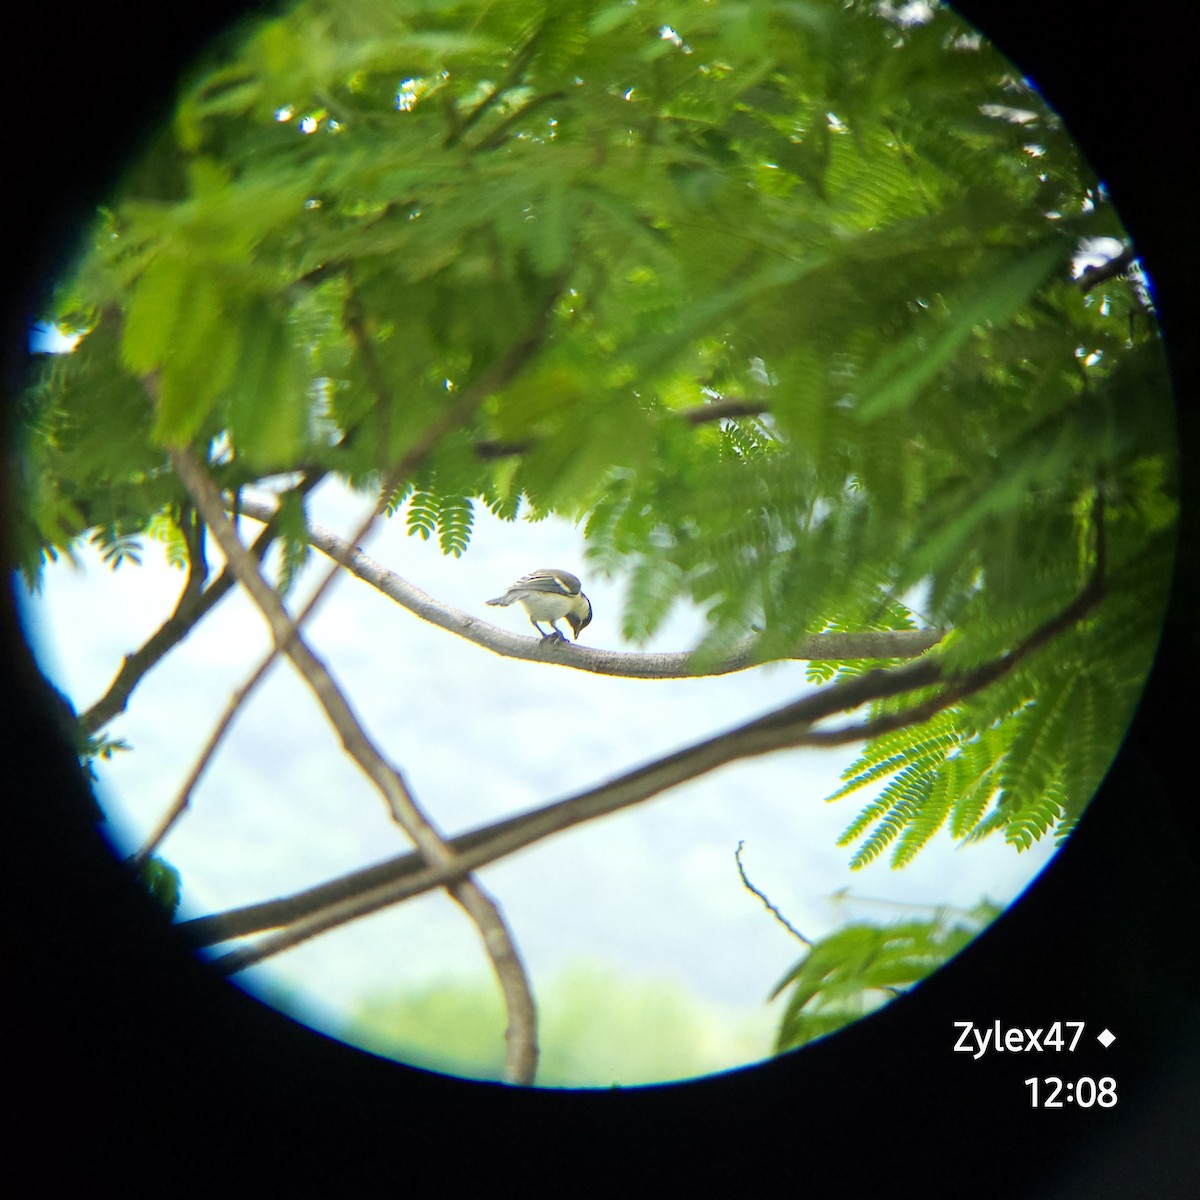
pixel 860 966
pixel 852 231
pixel 162 881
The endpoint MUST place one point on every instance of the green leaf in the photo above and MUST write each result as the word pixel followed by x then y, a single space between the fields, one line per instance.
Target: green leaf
pixel 295 547
pixel 155 314
pixel 860 966
pixel 200 363
pixel 267 404
pixel 163 883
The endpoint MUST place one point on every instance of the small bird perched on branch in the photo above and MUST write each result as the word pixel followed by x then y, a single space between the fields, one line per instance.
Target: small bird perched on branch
pixel 550 596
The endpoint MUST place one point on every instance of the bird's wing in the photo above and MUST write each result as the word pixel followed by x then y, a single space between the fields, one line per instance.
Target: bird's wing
pixel 562 583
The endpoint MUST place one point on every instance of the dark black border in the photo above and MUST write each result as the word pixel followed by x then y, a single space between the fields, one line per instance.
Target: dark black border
pixel 126 1059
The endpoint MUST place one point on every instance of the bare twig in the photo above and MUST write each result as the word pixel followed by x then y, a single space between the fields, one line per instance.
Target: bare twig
pixel 737 854
pixel 183 798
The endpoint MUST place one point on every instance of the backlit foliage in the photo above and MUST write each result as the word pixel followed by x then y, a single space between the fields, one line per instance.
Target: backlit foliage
pixel 856 234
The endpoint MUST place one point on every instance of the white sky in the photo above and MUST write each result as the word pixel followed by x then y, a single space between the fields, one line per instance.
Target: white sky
pixel 652 893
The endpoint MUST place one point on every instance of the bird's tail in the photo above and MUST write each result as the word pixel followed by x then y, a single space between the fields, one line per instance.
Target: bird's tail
pixel 502 601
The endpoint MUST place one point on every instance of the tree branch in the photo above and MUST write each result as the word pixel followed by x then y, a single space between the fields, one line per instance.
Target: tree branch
pixel 782 729
pixel 1091 277
pixel 720 409
pixel 898 643
pixel 737 854
pixel 512 77
pixel 183 799
pixel 521 1034
pixel 356 894
pixel 194 604
pixel 471 397
pixel 499 135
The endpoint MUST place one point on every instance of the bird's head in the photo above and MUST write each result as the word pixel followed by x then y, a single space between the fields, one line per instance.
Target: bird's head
pixel 580 616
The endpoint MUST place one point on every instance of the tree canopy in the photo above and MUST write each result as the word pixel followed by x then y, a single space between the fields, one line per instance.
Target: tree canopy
pixel 812 313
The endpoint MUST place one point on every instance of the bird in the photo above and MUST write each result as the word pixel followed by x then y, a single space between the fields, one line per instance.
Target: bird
pixel 550 596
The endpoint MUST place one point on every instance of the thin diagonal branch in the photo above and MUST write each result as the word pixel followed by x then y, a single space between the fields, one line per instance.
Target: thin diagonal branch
pixel 236 701
pixel 183 798
pixel 512 77
pixel 737 854
pixel 1091 277
pixel 500 134
pixel 521 1035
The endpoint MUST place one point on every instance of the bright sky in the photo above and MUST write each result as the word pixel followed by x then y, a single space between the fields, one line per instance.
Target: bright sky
pixel 652 893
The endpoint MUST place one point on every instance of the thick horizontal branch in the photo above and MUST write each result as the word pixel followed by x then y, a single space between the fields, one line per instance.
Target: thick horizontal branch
pixel 785 728
pixel 788 727
pixel 683 664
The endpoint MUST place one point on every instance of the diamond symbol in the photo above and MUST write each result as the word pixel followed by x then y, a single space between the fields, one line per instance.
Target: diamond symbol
pixel 1105 1038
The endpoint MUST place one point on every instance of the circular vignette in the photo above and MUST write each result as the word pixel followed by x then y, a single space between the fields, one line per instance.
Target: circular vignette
pixel 1124 209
